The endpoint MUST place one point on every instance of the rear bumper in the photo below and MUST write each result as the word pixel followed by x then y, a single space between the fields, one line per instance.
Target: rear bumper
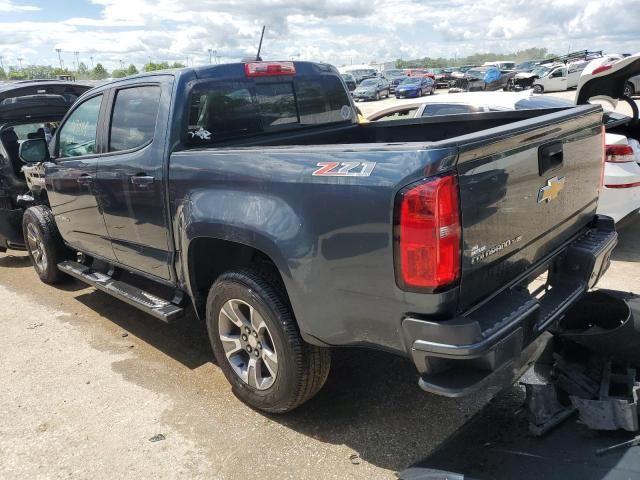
pixel 11 229
pixel 457 357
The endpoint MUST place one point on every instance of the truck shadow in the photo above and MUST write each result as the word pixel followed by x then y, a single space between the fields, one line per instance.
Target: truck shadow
pixel 370 403
pixel 9 260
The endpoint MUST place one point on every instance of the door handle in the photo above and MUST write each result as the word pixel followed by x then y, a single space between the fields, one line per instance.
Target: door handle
pixel 142 180
pixel 550 157
pixel 84 179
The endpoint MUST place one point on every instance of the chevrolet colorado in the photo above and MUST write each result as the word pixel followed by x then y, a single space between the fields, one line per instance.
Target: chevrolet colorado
pixel 250 191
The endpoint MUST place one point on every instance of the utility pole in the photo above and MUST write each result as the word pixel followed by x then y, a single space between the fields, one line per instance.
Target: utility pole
pixel 77 59
pixel 1 64
pixel 20 60
pixel 59 50
pixel 91 58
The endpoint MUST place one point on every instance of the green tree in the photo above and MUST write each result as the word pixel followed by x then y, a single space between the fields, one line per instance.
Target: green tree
pixel 99 72
pixel 17 74
pixel 132 70
pixel 83 71
pixel 3 74
pixel 119 73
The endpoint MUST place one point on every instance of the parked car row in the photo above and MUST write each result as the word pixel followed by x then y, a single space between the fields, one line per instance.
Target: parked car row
pixel 620 195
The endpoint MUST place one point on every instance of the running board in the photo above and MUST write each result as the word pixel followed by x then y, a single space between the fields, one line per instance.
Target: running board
pixel 161 309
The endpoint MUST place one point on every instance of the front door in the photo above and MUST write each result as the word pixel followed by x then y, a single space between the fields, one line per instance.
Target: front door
pixel 130 179
pixel 71 179
pixel 557 81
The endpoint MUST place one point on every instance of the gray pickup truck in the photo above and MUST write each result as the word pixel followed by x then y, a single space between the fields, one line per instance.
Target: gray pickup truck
pixel 251 192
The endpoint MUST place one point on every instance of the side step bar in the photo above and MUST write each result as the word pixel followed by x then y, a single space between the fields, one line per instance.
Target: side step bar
pixel 161 309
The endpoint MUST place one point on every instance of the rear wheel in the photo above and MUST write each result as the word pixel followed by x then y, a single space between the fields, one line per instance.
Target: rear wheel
pixel 257 343
pixel 44 244
pixel 628 89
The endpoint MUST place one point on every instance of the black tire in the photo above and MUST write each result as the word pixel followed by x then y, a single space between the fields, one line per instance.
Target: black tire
pixel 302 369
pixel 377 95
pixel 628 90
pixel 538 89
pixel 43 239
pixel 420 93
pixel 433 90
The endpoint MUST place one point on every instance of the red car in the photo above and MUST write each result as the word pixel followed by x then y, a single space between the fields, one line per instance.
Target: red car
pixel 419 72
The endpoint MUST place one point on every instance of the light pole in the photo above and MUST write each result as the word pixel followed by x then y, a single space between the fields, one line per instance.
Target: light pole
pixel 210 55
pixel 59 50
pixel 77 59
pixel 20 60
pixel 122 64
pixel 1 63
pixel 91 58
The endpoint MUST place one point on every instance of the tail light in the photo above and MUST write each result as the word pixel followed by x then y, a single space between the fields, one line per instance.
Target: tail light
pixel 601 68
pixel 269 69
pixel 428 229
pixel 619 154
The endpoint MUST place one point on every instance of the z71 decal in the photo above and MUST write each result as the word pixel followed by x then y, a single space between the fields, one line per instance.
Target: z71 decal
pixel 344 169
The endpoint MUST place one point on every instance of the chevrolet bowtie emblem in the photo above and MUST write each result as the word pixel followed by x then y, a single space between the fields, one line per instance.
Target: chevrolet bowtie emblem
pixel 551 190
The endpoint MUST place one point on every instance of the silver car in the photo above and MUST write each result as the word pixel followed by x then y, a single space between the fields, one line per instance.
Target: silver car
pixel 632 87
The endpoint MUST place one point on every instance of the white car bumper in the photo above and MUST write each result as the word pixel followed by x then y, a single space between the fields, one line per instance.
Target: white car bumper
pixel 621 194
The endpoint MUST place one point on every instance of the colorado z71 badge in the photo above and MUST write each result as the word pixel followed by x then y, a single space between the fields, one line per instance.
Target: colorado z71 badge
pixel 344 169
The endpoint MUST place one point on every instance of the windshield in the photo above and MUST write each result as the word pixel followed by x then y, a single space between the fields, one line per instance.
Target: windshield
pixel 410 81
pixel 395 73
pixel 540 71
pixel 369 83
pixel 479 74
pixel 348 77
pixel 360 73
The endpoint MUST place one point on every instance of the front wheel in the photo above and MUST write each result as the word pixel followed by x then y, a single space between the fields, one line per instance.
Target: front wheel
pixel 538 89
pixel 44 244
pixel 377 95
pixel 257 343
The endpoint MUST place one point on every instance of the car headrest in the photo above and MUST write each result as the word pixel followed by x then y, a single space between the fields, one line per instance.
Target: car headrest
pixel 9 136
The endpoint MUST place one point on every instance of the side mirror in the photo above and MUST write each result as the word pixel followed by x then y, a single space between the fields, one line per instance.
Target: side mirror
pixel 34 150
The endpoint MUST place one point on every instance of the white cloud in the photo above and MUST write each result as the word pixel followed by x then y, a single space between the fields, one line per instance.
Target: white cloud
pixel 338 31
pixel 9 6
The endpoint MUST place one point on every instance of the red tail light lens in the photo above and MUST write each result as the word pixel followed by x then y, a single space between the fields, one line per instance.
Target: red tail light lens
pixel 619 154
pixel 268 69
pixel 602 68
pixel 429 234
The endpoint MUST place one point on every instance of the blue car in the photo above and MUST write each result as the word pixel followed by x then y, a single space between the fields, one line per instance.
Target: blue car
pixel 415 87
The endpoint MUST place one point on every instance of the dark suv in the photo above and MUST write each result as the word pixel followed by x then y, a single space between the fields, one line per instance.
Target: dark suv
pixel 28 110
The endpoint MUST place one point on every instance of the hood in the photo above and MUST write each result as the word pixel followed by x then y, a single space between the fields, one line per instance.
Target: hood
pixel 409 85
pixel 38 99
pixel 525 75
pixel 606 82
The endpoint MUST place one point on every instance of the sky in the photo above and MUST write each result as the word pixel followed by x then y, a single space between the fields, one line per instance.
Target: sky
pixel 340 32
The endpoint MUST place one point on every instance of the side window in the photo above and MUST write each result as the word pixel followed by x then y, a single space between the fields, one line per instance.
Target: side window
pixel 133 121
pixel 78 135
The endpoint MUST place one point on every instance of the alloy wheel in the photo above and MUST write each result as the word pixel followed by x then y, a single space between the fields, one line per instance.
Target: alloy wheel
pixel 248 344
pixel 36 247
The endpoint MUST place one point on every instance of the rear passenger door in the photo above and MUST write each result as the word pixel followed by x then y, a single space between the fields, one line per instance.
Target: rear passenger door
pixel 130 178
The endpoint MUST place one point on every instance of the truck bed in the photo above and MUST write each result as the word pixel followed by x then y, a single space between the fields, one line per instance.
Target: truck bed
pixel 328 233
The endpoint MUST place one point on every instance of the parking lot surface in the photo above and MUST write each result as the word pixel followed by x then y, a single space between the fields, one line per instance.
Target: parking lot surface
pixel 92 388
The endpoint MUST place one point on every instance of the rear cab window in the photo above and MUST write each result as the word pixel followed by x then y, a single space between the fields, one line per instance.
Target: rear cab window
pixel 222 110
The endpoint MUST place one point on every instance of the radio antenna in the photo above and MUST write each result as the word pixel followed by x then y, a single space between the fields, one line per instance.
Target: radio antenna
pixel 260 45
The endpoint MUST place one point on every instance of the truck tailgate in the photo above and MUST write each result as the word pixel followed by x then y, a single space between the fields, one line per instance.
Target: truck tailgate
pixel 523 194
